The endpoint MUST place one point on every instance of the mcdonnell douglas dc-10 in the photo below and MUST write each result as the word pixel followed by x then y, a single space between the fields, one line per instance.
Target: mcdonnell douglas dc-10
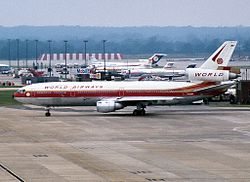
pixel 207 81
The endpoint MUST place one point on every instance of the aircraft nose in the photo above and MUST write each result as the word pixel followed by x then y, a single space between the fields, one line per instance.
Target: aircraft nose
pixel 15 95
pixel 18 94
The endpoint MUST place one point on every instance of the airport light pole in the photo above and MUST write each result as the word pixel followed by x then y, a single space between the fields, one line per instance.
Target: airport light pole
pixel 85 51
pixel 49 69
pixel 239 48
pixel 104 57
pixel 26 51
pixel 65 57
pixel 17 53
pixel 36 66
pixel 9 53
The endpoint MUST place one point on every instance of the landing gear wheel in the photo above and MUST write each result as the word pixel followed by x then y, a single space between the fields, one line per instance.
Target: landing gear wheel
pixel 143 112
pixel 135 112
pixel 206 101
pixel 47 114
pixel 139 112
pixel 232 99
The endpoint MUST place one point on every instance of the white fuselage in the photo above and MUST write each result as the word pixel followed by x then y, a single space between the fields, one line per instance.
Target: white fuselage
pixel 115 66
pixel 158 71
pixel 88 93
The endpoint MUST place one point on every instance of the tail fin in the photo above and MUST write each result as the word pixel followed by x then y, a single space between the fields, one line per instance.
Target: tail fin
pixel 192 65
pixel 93 59
pixel 169 65
pixel 155 58
pixel 221 56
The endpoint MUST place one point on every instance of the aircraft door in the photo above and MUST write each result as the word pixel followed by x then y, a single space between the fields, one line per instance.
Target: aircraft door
pixel 121 92
pixel 72 94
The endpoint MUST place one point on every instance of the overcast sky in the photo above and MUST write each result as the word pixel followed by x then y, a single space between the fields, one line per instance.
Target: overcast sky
pixel 125 12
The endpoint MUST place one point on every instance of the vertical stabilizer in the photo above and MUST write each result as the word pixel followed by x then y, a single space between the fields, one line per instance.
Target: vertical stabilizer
pixel 221 56
pixel 155 58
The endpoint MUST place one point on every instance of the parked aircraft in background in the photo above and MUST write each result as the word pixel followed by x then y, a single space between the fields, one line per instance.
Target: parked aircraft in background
pixel 112 96
pixel 168 71
pixel 118 66
pixel 190 72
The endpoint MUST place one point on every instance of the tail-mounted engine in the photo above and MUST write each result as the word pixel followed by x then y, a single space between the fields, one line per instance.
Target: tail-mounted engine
pixel 197 74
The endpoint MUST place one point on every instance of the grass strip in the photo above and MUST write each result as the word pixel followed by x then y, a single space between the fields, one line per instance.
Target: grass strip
pixel 7 99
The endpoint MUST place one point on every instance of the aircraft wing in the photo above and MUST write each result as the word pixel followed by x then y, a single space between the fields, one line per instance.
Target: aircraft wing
pixel 125 99
pixel 146 100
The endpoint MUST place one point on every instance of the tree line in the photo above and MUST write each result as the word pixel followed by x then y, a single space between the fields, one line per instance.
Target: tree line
pixel 127 47
pixel 129 41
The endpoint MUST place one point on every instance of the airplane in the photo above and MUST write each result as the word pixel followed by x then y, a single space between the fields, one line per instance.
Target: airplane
pixel 111 96
pixel 143 63
pixel 166 71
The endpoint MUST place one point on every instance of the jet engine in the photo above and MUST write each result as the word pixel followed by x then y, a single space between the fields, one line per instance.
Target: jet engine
pixel 197 74
pixel 108 106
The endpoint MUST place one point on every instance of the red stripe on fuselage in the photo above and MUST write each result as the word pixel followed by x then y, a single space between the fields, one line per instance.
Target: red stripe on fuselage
pixel 102 93
pixel 185 91
pixel 116 93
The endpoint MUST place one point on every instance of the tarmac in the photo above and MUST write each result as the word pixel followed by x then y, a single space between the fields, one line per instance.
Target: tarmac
pixel 179 143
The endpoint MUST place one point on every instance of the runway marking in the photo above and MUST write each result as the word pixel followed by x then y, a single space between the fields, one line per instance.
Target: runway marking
pixel 110 117
pixel 11 173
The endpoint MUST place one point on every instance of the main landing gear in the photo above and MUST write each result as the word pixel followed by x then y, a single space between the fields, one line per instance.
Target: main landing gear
pixel 47 114
pixel 140 110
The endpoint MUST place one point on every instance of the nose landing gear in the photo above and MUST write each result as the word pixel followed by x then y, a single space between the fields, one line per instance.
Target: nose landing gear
pixel 47 114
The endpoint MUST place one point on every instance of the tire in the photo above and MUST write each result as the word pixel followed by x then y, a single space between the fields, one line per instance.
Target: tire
pixel 135 112
pixel 142 112
pixel 47 114
pixel 232 99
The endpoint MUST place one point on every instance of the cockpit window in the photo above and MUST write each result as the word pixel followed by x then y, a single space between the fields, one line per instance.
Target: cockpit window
pixel 21 91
